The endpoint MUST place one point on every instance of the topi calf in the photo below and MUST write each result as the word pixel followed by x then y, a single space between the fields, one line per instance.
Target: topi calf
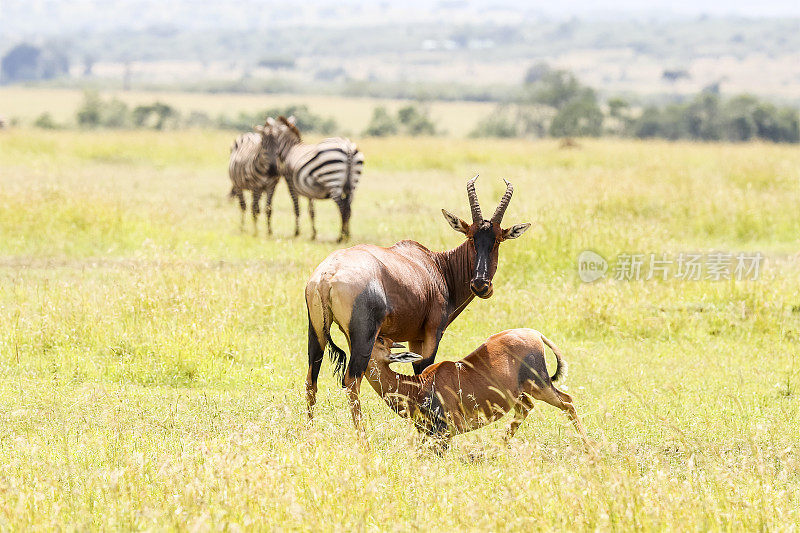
pixel 506 372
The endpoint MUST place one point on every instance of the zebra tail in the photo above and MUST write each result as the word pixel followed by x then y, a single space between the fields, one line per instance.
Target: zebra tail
pixel 348 181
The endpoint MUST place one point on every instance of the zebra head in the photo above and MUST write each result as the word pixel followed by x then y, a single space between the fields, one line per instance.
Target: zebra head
pixel 288 134
pixel 270 145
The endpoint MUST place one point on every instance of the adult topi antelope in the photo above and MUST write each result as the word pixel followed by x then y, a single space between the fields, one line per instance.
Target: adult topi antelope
pixel 506 372
pixel 405 292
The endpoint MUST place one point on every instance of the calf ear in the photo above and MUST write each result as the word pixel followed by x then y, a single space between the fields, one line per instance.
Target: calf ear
pixel 515 231
pixel 455 222
pixel 405 357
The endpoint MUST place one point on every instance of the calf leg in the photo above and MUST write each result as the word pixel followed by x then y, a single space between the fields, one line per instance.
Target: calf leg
pixel 563 401
pixel 521 409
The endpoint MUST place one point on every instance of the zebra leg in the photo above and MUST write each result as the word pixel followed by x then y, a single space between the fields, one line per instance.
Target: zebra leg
pixel 256 208
pixel 242 206
pixel 295 204
pixel 268 210
pixel 344 210
pixel 311 214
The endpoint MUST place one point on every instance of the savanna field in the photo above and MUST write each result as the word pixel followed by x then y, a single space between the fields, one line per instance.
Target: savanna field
pixel 153 357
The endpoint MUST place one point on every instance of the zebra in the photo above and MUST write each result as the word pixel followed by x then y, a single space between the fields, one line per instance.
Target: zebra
pixel 330 169
pixel 254 167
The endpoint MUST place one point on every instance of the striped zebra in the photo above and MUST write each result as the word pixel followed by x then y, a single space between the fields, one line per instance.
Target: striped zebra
pixel 330 169
pixel 254 167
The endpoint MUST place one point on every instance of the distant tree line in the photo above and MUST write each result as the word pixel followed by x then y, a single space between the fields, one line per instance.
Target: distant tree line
pixel 554 103
pixel 96 112
pixel 708 117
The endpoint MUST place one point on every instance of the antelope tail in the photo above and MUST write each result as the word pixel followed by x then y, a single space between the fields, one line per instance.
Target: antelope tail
pixel 337 355
pixel 561 364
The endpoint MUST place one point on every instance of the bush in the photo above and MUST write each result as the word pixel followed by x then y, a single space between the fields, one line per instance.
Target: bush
pixel 88 114
pixel 198 119
pixel 578 118
pixel 552 102
pixel 415 120
pixel 45 121
pixel 95 112
pixel 156 116
pixel 114 114
pixel 382 124
pixel 499 123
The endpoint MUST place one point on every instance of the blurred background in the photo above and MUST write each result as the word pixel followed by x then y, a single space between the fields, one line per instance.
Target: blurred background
pixel 695 70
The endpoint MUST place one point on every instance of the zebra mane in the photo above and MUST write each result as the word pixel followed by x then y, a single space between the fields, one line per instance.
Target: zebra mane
pixel 291 127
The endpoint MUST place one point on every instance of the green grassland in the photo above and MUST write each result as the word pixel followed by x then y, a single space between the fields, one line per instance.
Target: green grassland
pixel 152 356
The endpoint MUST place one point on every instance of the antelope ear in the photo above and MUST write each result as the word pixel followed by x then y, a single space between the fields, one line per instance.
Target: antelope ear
pixel 270 121
pixel 397 345
pixel 259 128
pixel 292 120
pixel 455 222
pixel 404 357
pixel 515 231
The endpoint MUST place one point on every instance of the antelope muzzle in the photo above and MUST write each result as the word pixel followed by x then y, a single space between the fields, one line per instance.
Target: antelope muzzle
pixel 481 287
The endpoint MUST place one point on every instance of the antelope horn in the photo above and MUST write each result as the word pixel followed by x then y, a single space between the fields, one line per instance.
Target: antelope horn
pixel 501 209
pixel 477 217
